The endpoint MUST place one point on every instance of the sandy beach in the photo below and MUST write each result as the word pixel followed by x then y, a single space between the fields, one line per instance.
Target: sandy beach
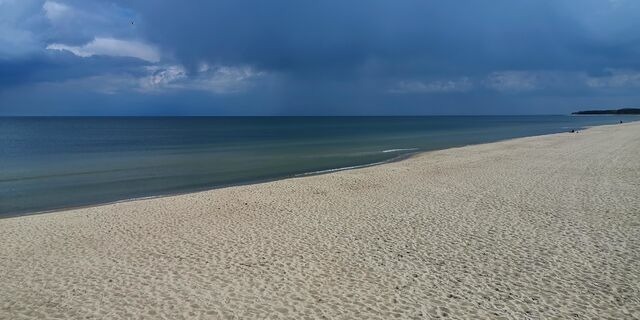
pixel 532 228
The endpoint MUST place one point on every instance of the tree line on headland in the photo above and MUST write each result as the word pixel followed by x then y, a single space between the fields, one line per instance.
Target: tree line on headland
pixel 616 111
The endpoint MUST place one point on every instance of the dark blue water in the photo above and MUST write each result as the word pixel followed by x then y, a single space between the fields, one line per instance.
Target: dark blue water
pixel 53 163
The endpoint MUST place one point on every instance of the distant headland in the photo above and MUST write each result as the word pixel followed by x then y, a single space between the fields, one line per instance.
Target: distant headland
pixel 617 111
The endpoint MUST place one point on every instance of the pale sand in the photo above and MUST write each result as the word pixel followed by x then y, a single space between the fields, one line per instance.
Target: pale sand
pixel 540 227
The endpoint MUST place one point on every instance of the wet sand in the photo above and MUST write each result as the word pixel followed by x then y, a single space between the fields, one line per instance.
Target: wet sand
pixel 532 228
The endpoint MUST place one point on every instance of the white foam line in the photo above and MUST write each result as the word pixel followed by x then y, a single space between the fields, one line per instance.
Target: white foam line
pixel 396 150
pixel 338 169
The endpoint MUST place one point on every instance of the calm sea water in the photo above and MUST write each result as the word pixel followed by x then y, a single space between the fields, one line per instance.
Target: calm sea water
pixel 53 163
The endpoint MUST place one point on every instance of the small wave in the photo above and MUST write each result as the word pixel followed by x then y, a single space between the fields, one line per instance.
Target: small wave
pixel 398 150
pixel 357 166
pixel 339 169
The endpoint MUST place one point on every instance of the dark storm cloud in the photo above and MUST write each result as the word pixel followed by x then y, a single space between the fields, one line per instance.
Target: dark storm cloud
pixel 419 36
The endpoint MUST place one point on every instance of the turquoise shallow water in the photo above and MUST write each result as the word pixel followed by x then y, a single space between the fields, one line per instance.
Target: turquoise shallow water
pixel 57 162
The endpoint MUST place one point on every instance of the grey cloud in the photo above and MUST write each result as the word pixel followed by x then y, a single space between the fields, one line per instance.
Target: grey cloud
pixel 438 86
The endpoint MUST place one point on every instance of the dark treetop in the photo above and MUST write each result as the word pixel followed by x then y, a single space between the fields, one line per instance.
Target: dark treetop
pixel 618 111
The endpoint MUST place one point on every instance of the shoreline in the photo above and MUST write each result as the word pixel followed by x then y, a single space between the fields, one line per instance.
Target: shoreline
pixel 400 157
pixel 233 185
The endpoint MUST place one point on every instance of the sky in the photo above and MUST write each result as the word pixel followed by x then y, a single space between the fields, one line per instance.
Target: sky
pixel 310 57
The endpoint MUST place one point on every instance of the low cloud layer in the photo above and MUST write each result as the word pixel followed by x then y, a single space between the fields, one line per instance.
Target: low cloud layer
pixel 111 47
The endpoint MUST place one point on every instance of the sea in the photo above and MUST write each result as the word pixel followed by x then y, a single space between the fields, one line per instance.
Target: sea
pixel 51 163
